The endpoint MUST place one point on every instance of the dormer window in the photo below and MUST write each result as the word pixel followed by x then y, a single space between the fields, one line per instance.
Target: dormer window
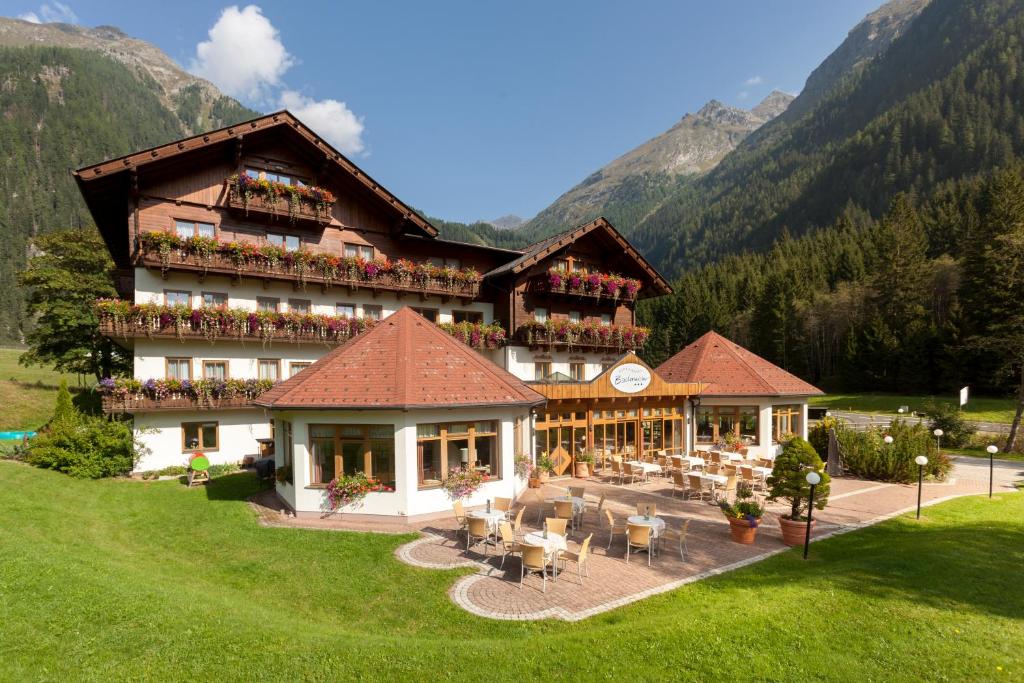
pixel 274 176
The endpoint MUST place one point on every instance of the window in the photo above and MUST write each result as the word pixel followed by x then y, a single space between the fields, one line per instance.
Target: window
pixel 299 305
pixel 541 370
pixel 705 424
pixel 177 297
pixel 373 312
pixel 443 447
pixel 441 262
pixel 467 316
pixel 269 369
pixel 540 314
pixel 785 420
pixel 347 310
pixel 215 369
pixel 748 424
pixel 287 451
pixel 430 314
pixel 273 176
pixel 577 371
pixel 267 304
pixel 179 368
pixel 607 365
pixel 198 436
pixel 606 319
pixel 575 316
pixel 343 450
pixel 215 300
pixel 714 422
pixel 288 242
pixel 562 264
pixel 363 251
pixel 296 368
pixel 187 229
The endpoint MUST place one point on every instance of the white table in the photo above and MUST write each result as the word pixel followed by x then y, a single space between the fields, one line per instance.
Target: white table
pixel 553 545
pixel 647 467
pixel 717 478
pixel 492 517
pixel 657 524
pixel 578 504
pixel 763 471
pixel 731 456
pixel 694 460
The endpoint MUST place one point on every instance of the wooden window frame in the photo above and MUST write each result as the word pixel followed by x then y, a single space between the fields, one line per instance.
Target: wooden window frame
pixel 277 306
pixel 261 174
pixel 790 412
pixel 187 292
pixel 435 312
pixel 339 465
pixel 167 365
pixel 477 316
pixel 227 299
pixel 359 247
pixel 284 240
pixel 734 411
pixel 288 450
pixel 342 304
pixel 377 307
pixel 195 226
pixel 227 367
pixel 291 367
pixel 275 361
pixel 470 436
pixel 541 318
pixel 202 448
pixel 582 367
pixel 575 316
pixel 308 302
pixel 546 374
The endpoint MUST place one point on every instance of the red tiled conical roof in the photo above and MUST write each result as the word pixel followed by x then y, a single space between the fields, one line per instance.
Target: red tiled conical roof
pixel 731 370
pixel 404 361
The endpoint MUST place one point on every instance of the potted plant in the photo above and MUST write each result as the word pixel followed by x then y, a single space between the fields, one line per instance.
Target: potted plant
pixel 788 482
pixel 545 466
pixel 731 441
pixel 463 482
pixel 744 515
pixel 584 461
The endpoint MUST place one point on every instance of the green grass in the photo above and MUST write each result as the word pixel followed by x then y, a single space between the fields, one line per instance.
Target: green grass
pixel 27 394
pixel 984 409
pixel 982 453
pixel 132 580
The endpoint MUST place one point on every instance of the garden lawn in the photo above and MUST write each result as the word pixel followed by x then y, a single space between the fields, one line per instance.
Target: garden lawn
pixel 27 395
pixel 983 409
pixel 151 580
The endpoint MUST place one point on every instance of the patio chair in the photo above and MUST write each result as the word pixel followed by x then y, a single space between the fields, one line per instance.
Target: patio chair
pixel 638 536
pixel 678 482
pixel 664 464
pixel 600 503
pixel 503 505
pixel 698 486
pixel 542 504
pixel 517 525
pixel 715 456
pixel 478 530
pixel 617 470
pixel 533 560
pixel 677 536
pixel 647 509
pixel 580 558
pixel 747 476
pixel 576 491
pixel 460 516
pixel 509 545
pixel 564 510
pixel 636 472
pixel 728 487
pixel 613 526
pixel 713 468
pixel 557 525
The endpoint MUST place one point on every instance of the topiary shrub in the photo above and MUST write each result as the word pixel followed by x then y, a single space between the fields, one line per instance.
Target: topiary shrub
pixel 957 432
pixel 788 480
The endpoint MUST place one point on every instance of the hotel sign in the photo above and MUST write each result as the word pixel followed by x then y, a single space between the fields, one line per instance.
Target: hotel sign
pixel 630 378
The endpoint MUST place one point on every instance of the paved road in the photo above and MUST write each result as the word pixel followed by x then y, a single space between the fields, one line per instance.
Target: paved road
pixel 1004 472
pixel 870 419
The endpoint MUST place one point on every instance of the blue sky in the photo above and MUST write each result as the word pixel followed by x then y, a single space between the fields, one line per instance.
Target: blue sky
pixel 478 109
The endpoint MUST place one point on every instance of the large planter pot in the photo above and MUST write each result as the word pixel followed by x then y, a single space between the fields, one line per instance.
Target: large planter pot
pixel 742 531
pixel 582 469
pixel 539 478
pixel 793 532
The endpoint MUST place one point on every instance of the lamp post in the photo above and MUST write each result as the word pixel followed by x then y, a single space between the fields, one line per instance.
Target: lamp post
pixel 813 478
pixel 938 439
pixel 921 462
pixel 991 454
pixel 888 440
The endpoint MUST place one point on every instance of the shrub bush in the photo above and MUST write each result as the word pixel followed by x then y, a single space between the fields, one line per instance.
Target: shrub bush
pixel 85 446
pixel 226 468
pixel 866 455
pixel 788 480
pixel 817 435
pixel 957 432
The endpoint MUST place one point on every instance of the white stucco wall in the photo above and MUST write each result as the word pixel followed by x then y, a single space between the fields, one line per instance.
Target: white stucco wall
pixel 161 433
pixel 519 361
pixel 407 499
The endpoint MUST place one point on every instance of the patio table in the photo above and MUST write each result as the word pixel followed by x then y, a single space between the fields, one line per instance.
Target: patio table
pixel 765 471
pixel 657 524
pixel 717 478
pixel 553 545
pixel 647 467
pixel 492 517
pixel 694 460
pixel 578 504
pixel 732 456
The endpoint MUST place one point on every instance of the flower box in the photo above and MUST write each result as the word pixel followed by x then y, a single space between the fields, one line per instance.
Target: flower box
pixel 596 285
pixel 568 334
pixel 277 200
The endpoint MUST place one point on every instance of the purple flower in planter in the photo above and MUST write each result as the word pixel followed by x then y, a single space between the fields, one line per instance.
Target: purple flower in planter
pixel 372 270
pixel 107 384
pixel 555 280
pixel 575 281
pixel 594 282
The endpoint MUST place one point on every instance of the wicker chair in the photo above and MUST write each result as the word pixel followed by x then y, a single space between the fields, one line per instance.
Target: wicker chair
pixel 564 510
pixel 517 525
pixel 580 558
pixel 503 505
pixel 477 531
pixel 677 536
pixel 728 487
pixel 617 469
pixel 557 525
pixel 647 509
pixel 613 526
pixel 460 516
pixel 698 486
pixel 534 559
pixel 576 491
pixel 509 545
pixel 638 536
pixel 678 482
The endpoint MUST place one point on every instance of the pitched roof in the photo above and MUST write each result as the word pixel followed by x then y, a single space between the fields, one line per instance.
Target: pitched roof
pixel 731 370
pixel 538 251
pixel 237 132
pixel 403 362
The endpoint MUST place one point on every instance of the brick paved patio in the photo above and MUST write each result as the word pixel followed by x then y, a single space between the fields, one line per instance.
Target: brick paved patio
pixel 495 593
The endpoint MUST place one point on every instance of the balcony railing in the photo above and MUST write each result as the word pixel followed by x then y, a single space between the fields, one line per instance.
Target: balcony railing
pixel 139 404
pixel 277 200
pixel 570 335
pixel 204 256
pixel 277 209
pixel 593 286
pixel 132 395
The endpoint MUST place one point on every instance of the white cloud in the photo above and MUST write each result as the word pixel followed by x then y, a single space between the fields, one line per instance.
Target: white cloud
pixel 330 118
pixel 244 56
pixel 742 95
pixel 753 80
pixel 51 13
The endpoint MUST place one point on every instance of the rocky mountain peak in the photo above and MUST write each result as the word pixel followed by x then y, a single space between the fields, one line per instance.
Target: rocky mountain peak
pixel 772 105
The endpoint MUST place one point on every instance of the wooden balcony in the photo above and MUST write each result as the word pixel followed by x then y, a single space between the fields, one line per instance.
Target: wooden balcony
pixel 220 263
pixel 276 210
pixel 583 337
pixel 140 404
pixel 542 285
pixel 127 330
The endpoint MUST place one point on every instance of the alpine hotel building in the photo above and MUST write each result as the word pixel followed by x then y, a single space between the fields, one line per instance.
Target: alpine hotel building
pixel 278 300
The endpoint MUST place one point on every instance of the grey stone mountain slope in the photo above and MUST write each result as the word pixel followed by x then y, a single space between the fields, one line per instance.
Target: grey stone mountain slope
pixel 692 146
pixel 509 222
pixel 197 102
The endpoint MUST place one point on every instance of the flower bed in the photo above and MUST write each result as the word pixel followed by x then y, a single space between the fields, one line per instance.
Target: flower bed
pixel 123 394
pixel 294 200
pixel 127 319
pixel 585 334
pixel 238 258
pixel 605 285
